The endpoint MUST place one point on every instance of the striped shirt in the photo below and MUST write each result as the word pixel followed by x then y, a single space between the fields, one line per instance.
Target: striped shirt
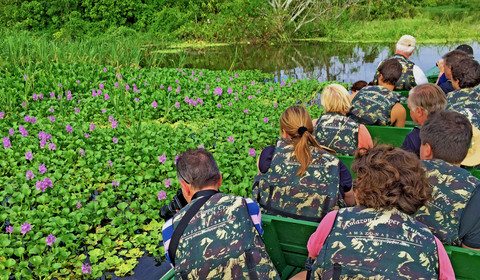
pixel 253 209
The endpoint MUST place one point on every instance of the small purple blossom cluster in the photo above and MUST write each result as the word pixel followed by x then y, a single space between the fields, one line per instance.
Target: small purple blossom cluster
pixel 30 119
pixel 42 185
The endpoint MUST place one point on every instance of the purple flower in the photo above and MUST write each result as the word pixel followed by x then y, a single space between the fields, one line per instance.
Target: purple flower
pixel 28 155
pixel 86 269
pixel 51 146
pixel 11 131
pixel 33 120
pixel 79 100
pixel 169 89
pixel 82 152
pixel 39 185
pixel 115 183
pixel 26 227
pixel 52 95
pixel 178 89
pixel 23 131
pixel 230 139
pixel 104 111
pixel 230 104
pixel 87 135
pixel 110 163
pixel 265 119
pixel 105 70
pixel 230 90
pixel 116 85
pixel 69 95
pixel 114 124
pixel 176 158
pixel 99 92
pixel 79 204
pixel 236 98
pixel 92 127
pixel 51 118
pixel 154 104
pixel 177 105
pixel 114 139
pixel 60 85
pixel 69 128
pixel 162 195
pixel 48 182
pixel 136 99
pixel 251 152
pixel 201 146
pixel 219 105
pixel 42 169
pixel 168 182
pixel 200 101
pixel 218 79
pixel 253 83
pixel 231 79
pixel 201 73
pixel 236 75
pixel 9 229
pixel 275 105
pixel 6 143
pixel 245 111
pixel 51 110
pixel 127 87
pixel 77 110
pixel 50 240
pixel 40 96
pixel 111 118
pixel 162 158
pixel 282 83
pixel 107 97
pixel 25 77
pixel 35 96
pixel 2 115
pixel 218 91
pixel 101 86
pixel 78 82
pixel 24 104
pixel 27 118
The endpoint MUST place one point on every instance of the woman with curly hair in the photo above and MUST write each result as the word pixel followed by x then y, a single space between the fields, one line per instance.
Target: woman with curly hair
pixel 379 238
pixel 300 179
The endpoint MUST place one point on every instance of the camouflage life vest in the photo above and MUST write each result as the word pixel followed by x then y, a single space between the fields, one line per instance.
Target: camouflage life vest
pixel 372 106
pixel 309 197
pixel 407 79
pixel 221 242
pixel 452 188
pixel 337 132
pixel 368 244
pixel 463 98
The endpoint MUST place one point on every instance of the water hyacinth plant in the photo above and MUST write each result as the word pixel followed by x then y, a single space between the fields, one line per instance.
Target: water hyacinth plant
pixel 95 199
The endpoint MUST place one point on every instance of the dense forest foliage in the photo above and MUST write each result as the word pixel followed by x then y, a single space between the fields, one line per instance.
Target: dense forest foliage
pixel 208 20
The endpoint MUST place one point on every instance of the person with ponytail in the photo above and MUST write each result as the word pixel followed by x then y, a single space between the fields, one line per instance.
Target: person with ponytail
pixel 298 178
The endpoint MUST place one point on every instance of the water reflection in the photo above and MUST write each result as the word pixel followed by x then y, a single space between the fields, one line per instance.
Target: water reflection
pixel 310 60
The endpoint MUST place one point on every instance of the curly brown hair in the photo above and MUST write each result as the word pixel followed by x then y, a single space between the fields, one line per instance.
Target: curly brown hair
pixel 389 177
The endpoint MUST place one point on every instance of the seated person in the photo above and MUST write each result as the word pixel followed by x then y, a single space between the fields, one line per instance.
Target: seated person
pixel 378 238
pixel 301 180
pixel 453 214
pixel 422 100
pixel 465 76
pixel 334 129
pixel 215 235
pixel 356 87
pixel 445 66
pixel 411 75
pixel 379 105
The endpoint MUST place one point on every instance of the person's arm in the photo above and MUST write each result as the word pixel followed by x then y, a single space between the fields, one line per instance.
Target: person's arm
pixel 446 270
pixel 346 184
pixel 364 137
pixel 316 240
pixel 398 115
pixel 314 122
pixel 265 159
pixel 255 214
pixel 419 76
pixel 167 232
pixel 441 72
pixel 469 231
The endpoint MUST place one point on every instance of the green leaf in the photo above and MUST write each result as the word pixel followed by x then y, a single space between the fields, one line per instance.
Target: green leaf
pixel 36 260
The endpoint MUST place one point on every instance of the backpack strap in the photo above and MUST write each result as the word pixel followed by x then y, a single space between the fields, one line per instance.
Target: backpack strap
pixel 182 225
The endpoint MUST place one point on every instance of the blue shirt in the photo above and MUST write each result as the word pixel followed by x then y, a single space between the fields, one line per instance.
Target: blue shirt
pixel 253 209
pixel 412 141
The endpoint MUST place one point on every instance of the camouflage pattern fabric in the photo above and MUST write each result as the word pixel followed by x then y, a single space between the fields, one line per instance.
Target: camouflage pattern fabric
pixel 452 188
pixel 365 243
pixel 407 79
pixel 463 98
pixel 337 132
pixel 372 106
pixel 309 197
pixel 471 114
pixel 221 242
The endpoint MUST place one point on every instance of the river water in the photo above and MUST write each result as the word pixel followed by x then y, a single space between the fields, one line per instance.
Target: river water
pixel 309 60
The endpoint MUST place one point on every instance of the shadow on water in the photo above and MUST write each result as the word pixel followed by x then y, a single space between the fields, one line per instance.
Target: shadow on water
pixel 345 62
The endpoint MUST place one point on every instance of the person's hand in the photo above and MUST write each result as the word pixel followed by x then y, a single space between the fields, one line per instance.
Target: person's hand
pixel 441 66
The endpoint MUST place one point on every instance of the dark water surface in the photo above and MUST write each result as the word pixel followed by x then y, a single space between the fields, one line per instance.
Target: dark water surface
pixel 309 60
pixel 305 60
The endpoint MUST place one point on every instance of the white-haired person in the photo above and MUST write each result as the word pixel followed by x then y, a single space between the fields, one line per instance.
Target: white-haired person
pixel 412 75
pixel 334 129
